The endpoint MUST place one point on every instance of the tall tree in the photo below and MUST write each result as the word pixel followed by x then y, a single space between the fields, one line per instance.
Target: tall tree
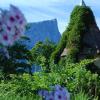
pixel 41 53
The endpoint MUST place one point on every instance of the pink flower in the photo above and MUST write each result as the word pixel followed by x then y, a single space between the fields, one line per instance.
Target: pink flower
pixel 12 25
pixel 12 19
pixel 6 39
pixel 18 15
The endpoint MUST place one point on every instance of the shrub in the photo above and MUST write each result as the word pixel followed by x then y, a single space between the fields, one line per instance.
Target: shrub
pixel 81 96
pixel 74 76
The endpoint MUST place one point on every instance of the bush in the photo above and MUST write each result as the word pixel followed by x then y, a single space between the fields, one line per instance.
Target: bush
pixel 41 53
pixel 12 96
pixel 81 96
pixel 74 76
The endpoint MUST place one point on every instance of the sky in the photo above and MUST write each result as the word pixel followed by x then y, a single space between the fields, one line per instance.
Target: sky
pixel 40 10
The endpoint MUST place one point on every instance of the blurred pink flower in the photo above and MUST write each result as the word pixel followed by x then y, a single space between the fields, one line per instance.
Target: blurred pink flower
pixel 12 25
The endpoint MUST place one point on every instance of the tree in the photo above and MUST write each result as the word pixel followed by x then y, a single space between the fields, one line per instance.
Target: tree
pixel 41 53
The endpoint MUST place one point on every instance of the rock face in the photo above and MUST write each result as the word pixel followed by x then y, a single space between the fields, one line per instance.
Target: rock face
pixel 41 31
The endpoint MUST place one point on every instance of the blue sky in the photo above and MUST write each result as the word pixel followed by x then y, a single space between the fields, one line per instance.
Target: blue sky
pixel 39 10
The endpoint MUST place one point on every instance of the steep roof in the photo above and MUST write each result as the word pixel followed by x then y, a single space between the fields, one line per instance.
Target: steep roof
pixel 82 3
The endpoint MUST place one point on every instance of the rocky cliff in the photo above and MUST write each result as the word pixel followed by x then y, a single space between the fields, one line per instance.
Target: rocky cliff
pixel 41 31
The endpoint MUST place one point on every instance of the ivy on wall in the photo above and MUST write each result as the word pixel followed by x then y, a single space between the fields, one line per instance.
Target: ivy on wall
pixel 80 20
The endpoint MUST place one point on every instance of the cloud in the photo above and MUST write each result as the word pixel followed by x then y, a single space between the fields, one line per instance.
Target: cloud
pixel 38 10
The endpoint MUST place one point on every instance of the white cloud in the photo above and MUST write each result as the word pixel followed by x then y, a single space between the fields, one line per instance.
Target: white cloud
pixel 37 10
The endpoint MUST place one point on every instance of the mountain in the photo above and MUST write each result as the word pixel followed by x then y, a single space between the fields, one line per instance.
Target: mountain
pixel 41 31
pixel 81 39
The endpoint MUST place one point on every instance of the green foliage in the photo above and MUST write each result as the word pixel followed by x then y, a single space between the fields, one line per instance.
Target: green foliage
pixel 80 78
pixel 19 57
pixel 16 97
pixel 12 96
pixel 74 76
pixel 81 96
pixel 80 21
pixel 26 85
pixel 55 56
pixel 41 54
